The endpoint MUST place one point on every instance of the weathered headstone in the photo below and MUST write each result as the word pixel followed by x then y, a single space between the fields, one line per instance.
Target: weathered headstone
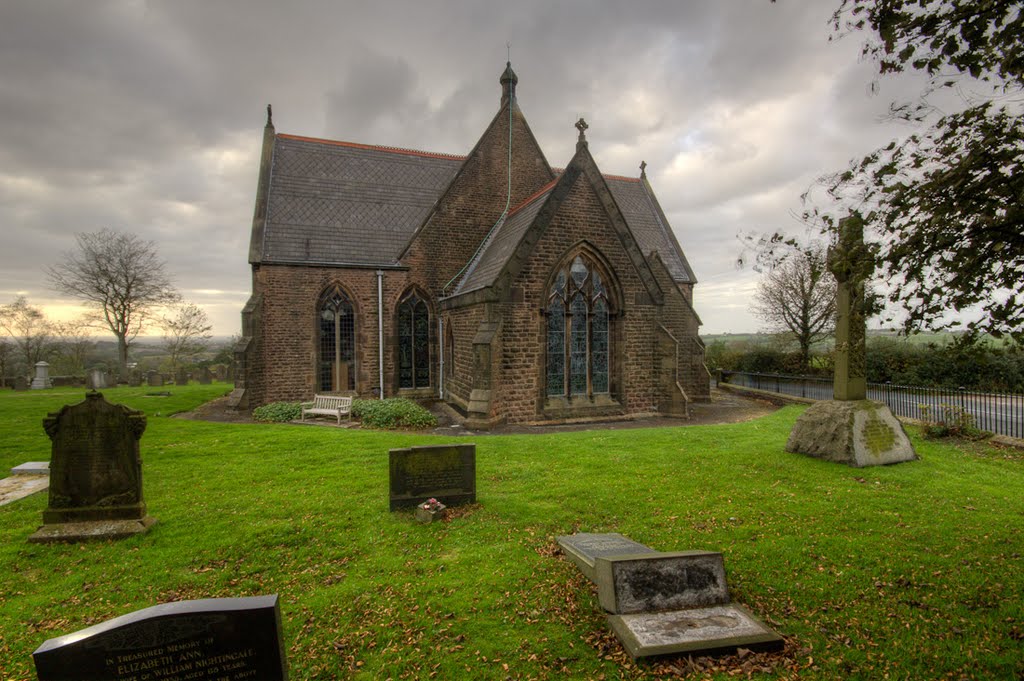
pixel 443 472
pixel 135 378
pixel 666 603
pixel 181 376
pixel 96 379
pixel 850 429
pixel 20 383
pixel 215 639
pixel 204 376
pixel 154 378
pixel 220 372
pixel 42 378
pixel 95 473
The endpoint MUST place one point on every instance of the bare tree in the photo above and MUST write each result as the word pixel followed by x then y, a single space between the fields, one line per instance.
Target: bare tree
pixel 798 297
pixel 72 342
pixel 186 333
pixel 6 351
pixel 28 328
pixel 122 276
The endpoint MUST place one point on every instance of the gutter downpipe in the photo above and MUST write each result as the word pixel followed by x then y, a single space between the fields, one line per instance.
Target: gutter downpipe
pixel 380 329
pixel 440 363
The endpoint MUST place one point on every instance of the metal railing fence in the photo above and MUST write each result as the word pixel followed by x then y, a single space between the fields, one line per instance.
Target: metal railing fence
pixel 1000 413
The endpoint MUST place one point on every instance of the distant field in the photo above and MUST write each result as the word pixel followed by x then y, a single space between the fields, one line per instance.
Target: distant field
pixel 770 338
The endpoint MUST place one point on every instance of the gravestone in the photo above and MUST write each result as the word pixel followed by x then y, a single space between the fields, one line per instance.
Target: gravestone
pixel 181 376
pixel 221 372
pixel 221 639
pixel 204 376
pixel 95 473
pixel 443 472
pixel 154 378
pixel 20 383
pixel 850 428
pixel 135 378
pixel 42 379
pixel 666 603
pixel 96 379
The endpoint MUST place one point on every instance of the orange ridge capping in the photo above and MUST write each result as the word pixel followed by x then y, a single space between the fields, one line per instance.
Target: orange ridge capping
pixel 374 147
pixel 559 171
pixel 543 190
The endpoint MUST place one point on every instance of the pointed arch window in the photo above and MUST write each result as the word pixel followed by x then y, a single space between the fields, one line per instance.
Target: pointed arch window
pixel 337 328
pixel 577 332
pixel 413 342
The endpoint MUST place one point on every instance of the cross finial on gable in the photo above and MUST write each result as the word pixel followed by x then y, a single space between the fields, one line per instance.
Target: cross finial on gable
pixel 582 126
pixel 643 168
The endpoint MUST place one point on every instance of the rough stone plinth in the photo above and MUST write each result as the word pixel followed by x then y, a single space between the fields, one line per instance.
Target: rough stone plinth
pixel 857 433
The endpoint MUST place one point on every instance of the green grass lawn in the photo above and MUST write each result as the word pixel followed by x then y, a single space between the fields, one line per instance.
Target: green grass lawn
pixel 912 570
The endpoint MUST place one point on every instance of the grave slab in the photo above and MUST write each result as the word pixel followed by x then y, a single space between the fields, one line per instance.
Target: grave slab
pixel 32 468
pixel 226 639
pixel 661 581
pixel 585 547
pixel 443 472
pixel 701 631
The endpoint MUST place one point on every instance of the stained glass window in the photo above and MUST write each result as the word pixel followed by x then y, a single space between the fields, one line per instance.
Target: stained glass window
pixel 336 322
pixel 578 332
pixel 413 343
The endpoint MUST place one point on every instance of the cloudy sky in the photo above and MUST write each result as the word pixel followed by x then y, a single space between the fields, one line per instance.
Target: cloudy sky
pixel 147 116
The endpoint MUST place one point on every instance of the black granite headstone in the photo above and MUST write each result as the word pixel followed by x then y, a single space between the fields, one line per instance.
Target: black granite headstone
pixel 216 639
pixel 443 472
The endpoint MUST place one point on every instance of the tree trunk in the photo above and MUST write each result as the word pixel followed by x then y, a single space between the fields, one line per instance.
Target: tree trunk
pixel 122 356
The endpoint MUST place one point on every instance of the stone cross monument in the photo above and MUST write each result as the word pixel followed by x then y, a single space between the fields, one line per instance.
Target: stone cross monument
pixel 850 428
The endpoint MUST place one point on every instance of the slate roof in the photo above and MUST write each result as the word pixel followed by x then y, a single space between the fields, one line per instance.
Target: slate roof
pixel 502 243
pixel 649 225
pixel 340 203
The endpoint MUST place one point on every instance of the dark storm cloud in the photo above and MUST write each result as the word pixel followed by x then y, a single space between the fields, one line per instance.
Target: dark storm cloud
pixel 148 116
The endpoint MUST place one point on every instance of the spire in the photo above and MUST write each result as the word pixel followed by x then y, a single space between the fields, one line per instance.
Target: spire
pixel 508 82
pixel 582 126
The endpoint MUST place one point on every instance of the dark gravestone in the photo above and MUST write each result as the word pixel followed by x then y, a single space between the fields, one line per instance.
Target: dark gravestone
pixel 181 376
pixel 154 378
pixel 221 372
pixel 20 383
pixel 662 581
pixel 204 376
pixel 95 473
pixel 443 472
pixel 222 639
pixel 135 378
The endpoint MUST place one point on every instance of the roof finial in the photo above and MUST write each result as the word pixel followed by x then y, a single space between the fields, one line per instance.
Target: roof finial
pixel 643 168
pixel 508 82
pixel 582 126
pixel 270 116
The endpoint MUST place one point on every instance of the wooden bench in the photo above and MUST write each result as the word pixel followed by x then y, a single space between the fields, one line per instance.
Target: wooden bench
pixel 328 405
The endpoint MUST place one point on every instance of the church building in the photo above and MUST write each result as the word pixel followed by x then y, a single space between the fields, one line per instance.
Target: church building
pixel 512 290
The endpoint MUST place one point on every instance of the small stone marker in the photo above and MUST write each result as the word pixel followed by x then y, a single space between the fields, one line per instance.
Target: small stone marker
pixel 154 378
pixel 135 378
pixel 221 639
pixel 181 376
pixel 221 372
pixel 666 603
pixel 20 383
pixel 96 379
pixel 42 379
pixel 443 472
pixel 95 473
pixel 205 378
